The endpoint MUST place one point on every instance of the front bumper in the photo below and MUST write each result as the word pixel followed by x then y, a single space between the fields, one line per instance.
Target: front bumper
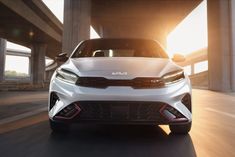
pixel 121 104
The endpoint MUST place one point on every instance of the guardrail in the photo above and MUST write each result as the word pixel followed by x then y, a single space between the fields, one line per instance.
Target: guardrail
pixel 193 58
pixel 25 81
pixel 199 78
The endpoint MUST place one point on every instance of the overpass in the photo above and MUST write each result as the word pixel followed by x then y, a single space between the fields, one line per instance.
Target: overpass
pixel 124 18
pixel 24 116
pixel 30 23
pixel 155 19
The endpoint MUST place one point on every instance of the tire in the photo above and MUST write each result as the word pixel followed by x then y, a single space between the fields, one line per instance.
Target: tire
pixel 59 127
pixel 181 128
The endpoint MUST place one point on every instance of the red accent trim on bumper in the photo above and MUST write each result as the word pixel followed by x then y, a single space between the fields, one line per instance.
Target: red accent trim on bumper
pixel 71 117
pixel 183 119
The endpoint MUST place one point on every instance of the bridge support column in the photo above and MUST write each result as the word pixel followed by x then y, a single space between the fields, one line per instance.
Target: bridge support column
pixel 2 58
pixel 220 43
pixel 233 43
pixel 38 51
pixel 77 21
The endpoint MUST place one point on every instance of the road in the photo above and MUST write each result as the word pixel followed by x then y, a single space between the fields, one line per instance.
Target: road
pixel 212 134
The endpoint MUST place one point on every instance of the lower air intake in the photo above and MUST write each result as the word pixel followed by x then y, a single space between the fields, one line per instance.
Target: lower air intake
pixel 172 114
pixel 120 111
pixel 68 112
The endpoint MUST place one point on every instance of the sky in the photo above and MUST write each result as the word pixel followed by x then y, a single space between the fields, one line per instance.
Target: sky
pixel 191 34
pixel 188 36
pixel 57 7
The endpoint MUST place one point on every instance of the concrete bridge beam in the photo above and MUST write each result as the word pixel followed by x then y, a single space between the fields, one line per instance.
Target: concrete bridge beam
pixel 136 32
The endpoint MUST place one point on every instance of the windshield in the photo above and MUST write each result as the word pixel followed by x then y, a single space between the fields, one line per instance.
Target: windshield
pixel 119 48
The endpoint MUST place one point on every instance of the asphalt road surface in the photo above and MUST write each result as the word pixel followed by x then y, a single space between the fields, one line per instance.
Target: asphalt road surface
pixel 212 134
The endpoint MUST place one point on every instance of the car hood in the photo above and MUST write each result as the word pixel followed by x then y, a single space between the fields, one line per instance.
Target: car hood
pixel 120 67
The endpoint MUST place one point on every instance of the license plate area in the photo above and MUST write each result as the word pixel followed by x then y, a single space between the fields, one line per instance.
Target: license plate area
pixel 120 111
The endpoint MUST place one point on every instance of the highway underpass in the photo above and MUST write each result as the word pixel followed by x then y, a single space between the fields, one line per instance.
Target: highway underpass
pixel 24 127
pixel 212 133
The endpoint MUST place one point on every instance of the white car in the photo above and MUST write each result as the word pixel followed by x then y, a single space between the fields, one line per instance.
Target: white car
pixel 120 81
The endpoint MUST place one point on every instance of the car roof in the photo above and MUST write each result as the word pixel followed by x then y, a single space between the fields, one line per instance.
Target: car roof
pixel 128 39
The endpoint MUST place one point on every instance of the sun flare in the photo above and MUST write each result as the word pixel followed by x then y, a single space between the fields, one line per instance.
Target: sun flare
pixel 191 34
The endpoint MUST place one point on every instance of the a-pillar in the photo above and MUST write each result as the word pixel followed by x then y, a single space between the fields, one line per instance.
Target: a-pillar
pixel 2 58
pixel 77 21
pixel 38 51
pixel 220 45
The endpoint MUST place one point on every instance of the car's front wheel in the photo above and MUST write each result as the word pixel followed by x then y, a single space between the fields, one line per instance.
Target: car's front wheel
pixel 58 126
pixel 181 128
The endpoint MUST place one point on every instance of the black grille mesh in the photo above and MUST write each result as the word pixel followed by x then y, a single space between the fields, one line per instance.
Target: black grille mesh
pixel 100 82
pixel 121 111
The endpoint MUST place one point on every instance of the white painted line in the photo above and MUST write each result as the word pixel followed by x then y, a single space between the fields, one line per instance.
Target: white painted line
pixel 23 115
pixel 220 112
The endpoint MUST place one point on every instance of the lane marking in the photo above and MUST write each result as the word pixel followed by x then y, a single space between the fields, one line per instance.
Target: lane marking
pixel 220 112
pixel 23 115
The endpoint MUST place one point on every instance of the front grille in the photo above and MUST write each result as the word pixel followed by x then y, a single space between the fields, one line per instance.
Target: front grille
pixel 100 82
pixel 121 111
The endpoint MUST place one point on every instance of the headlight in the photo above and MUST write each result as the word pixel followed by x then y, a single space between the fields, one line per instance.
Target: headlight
pixel 173 77
pixel 66 76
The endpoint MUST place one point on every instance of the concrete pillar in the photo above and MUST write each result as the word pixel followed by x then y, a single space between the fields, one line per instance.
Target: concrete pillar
pixel 77 23
pixel 219 45
pixel 2 58
pixel 192 69
pixel 232 13
pixel 38 51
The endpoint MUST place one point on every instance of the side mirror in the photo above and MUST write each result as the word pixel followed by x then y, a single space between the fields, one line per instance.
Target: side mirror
pixel 178 58
pixel 62 57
